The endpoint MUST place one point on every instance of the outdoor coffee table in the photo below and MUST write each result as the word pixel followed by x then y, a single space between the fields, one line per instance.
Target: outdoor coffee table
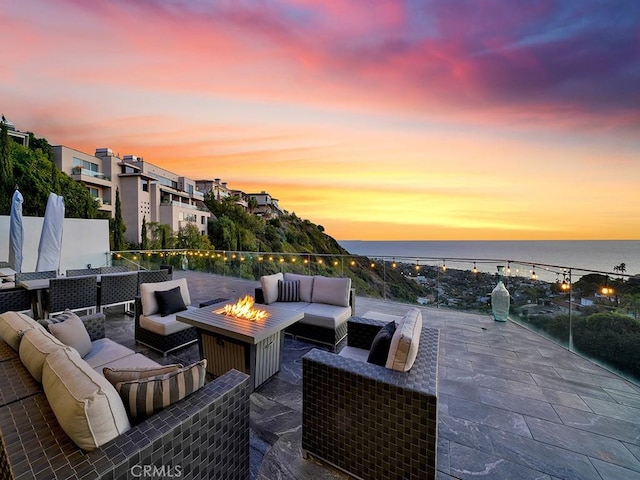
pixel 252 347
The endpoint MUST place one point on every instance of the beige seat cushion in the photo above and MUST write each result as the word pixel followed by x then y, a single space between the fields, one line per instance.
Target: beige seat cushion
pixel 12 324
pixel 35 346
pixel 163 325
pixel 405 341
pixel 148 298
pixel 104 351
pixel 269 285
pixel 326 316
pixel 332 291
pixel 86 405
pixel 306 285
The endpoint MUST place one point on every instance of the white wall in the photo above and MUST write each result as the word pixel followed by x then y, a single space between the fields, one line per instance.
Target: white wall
pixel 83 242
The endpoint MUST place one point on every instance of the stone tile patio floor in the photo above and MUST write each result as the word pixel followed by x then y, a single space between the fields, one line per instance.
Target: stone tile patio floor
pixel 512 405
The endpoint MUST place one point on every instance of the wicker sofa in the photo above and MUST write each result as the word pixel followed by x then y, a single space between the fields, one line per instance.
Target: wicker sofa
pixel 203 436
pixel 327 304
pixel 368 420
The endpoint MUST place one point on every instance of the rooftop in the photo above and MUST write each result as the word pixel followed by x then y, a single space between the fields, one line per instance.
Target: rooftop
pixel 511 404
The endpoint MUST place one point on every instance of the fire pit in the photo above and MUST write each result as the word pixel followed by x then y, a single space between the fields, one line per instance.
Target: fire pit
pixel 243 308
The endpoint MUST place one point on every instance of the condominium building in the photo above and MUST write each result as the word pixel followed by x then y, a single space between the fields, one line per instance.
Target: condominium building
pixel 220 190
pixel 266 205
pixel 146 190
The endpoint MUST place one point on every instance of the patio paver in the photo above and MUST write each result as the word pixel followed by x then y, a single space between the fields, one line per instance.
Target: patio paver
pixel 512 404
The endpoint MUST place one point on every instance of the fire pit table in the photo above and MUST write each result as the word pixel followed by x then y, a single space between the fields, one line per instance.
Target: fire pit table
pixel 250 346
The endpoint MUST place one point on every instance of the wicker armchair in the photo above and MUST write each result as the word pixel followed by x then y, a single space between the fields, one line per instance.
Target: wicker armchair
pixel 370 421
pixel 152 276
pixel 74 293
pixel 15 299
pixel 118 289
pixel 161 343
pixel 83 272
pixel 20 276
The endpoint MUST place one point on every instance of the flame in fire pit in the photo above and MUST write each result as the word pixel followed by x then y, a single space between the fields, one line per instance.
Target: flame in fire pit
pixel 243 308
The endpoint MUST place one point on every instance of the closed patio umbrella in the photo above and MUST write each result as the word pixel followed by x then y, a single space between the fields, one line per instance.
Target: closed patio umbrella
pixel 50 247
pixel 16 232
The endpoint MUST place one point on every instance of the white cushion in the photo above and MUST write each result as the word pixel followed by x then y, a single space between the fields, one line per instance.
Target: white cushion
pixel 72 332
pixel 35 345
pixel 405 341
pixel 163 325
pixel 323 315
pixel 86 405
pixel 148 298
pixel 295 306
pixel 333 291
pixel 13 324
pixel 269 285
pixel 306 285
pixel 104 351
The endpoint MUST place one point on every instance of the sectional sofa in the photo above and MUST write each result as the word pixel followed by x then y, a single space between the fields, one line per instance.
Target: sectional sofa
pixel 60 419
pixel 327 304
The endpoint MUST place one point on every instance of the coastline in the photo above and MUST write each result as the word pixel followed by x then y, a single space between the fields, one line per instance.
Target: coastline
pixel 587 255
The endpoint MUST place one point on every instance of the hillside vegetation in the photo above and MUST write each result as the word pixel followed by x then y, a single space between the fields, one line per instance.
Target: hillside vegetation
pixel 235 229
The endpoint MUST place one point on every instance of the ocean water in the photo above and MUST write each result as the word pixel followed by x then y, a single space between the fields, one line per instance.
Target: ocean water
pixel 579 255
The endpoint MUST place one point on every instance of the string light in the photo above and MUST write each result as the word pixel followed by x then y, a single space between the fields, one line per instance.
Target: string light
pixel 394 264
pixel 444 266
pixel 533 273
pixel 475 269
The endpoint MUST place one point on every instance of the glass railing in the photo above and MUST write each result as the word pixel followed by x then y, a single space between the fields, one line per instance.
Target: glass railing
pixel 592 313
pixel 175 203
pixel 89 173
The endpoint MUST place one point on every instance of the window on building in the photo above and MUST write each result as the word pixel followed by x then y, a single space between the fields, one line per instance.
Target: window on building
pixel 93 192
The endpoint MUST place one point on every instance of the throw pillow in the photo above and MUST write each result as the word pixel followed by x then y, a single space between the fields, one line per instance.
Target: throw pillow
pixel 117 375
pixel 142 398
pixel 45 322
pixel 289 291
pixel 72 332
pixel 379 350
pixel 169 301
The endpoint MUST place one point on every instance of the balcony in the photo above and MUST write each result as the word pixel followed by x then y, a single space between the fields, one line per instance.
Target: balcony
pixel 175 203
pixel 511 403
pixel 90 176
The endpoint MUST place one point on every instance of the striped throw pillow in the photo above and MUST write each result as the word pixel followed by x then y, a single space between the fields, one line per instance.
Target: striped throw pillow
pixel 288 290
pixel 45 322
pixel 146 396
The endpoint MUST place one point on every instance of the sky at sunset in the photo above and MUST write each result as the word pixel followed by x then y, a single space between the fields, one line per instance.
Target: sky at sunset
pixel 380 120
